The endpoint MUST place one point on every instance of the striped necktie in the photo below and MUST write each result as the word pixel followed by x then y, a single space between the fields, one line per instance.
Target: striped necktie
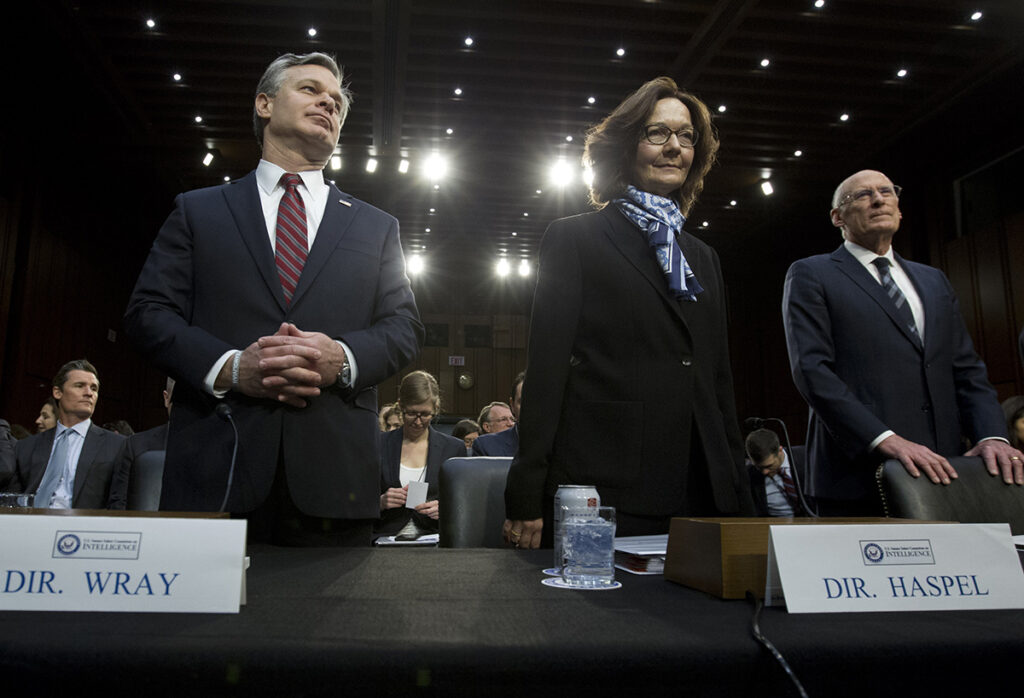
pixel 56 470
pixel 897 297
pixel 292 243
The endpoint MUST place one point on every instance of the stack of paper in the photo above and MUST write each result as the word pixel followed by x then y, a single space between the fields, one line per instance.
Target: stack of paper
pixel 641 554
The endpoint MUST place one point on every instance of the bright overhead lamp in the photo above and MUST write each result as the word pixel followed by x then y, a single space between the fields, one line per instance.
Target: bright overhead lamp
pixel 766 188
pixel 403 166
pixel 335 162
pixel 415 264
pixel 207 159
pixel 371 165
pixel 524 267
pixel 435 167
pixel 502 268
pixel 561 173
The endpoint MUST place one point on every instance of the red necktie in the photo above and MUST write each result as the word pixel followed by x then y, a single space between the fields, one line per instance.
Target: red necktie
pixel 292 245
pixel 789 487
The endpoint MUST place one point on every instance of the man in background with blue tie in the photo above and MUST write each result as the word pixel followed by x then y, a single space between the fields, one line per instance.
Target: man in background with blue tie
pixel 71 466
pixel 879 350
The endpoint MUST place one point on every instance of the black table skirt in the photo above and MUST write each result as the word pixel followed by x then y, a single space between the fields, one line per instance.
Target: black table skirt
pixel 479 622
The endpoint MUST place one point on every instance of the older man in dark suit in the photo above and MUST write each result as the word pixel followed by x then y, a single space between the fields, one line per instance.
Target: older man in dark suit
pixel 279 302
pixel 70 467
pixel 879 350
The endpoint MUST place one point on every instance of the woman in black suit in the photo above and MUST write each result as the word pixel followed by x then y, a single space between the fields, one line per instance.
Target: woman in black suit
pixel 414 452
pixel 629 385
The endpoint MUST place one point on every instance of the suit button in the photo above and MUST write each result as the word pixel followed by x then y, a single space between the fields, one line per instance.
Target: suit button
pixel 687 362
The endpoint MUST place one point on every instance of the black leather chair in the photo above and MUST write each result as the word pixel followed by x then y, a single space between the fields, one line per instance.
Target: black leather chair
pixel 145 481
pixel 974 497
pixel 471 499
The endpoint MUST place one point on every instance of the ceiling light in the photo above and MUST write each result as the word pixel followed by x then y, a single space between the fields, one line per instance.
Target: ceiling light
pixel 621 52
pixel 568 139
pixel 560 173
pixel 458 91
pixel 415 264
pixel 199 119
pixel 227 178
pixel 976 16
pixel 433 210
pixel 588 175
pixel 524 267
pixel 798 153
pixel 765 62
pixel 901 73
pixel 540 191
pixel 468 41
pixel 819 3
pixel 436 187
pixel 766 187
pixel 591 100
pixel 844 117
pixel 515 234
pixel 435 167
pixel 151 23
pixel 403 166
pixel 449 131
pixel 426 230
pixel 371 165
pixel 207 159
pixel 721 108
pixel 502 267
pixel 704 224
pixel 526 214
pixel 177 77
pixel 335 162
pixel 732 202
pixel 311 31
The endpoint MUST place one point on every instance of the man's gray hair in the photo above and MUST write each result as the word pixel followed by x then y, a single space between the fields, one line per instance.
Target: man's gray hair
pixel 273 78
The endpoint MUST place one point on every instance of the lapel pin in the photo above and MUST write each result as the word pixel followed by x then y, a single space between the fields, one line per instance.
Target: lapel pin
pixel 345 203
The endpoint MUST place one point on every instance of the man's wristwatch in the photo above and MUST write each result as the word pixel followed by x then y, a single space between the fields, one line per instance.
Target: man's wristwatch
pixel 344 375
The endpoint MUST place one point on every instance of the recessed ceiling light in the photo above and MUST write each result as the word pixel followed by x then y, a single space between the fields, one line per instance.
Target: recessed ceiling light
pixel 901 73
pixel 568 139
pixel 819 3
pixel 514 233
pixel 177 77
pixel 371 165
pixel 621 52
pixel 733 202
pixel 705 224
pixel 540 191
pixel 151 23
pixel 426 230
pixel 335 162
pixel 844 117
pixel 766 187
pixel 207 159
pixel 526 214
pixel 976 16
pixel 524 267
pixel 798 153
pixel 765 62
pixel 721 108
pixel 591 100
pixel 468 41
pixel 449 131
pixel 403 166
pixel 433 210
pixel 311 31
pixel 199 119
pixel 457 91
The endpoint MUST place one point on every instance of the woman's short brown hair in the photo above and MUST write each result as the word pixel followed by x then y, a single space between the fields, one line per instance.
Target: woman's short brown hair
pixel 419 387
pixel 610 148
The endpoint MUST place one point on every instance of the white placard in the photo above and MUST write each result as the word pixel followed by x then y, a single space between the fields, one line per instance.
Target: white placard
pixel 99 563
pixel 416 494
pixel 894 567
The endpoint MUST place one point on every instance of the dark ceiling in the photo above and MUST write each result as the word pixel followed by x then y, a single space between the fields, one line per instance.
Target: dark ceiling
pixel 525 84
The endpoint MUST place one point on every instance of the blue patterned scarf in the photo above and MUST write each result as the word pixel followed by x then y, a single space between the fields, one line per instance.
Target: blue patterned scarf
pixel 661 220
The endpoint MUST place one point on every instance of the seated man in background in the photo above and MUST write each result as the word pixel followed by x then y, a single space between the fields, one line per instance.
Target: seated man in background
pixel 504 441
pixel 71 466
pixel 771 476
pixel 154 439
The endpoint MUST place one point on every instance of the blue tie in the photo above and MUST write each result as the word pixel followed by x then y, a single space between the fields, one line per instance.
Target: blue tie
pixel 56 470
pixel 897 297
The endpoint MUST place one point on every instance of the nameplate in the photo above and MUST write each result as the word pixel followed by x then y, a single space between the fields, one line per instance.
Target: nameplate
pixel 905 567
pixel 148 565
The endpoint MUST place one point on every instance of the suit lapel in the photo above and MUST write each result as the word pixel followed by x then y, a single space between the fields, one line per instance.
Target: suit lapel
pixel 335 223
pixel 630 242
pixel 243 200
pixel 856 272
pixel 90 447
pixel 40 459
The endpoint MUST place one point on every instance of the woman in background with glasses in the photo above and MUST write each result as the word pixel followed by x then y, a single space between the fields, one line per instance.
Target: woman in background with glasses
pixel 413 453
pixel 629 387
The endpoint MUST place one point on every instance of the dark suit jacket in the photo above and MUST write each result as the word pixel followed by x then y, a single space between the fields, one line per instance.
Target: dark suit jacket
pixel 154 439
pixel 210 285
pixel 759 492
pixel 504 443
pixel 7 442
pixel 92 475
pixel 440 447
pixel 622 376
pixel 860 372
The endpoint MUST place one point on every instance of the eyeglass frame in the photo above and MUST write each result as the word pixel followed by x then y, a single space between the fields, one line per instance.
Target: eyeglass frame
pixel 412 416
pixel 869 192
pixel 500 420
pixel 645 135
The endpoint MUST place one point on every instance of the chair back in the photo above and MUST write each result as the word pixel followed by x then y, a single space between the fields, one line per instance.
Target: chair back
pixel 974 497
pixel 145 481
pixel 471 498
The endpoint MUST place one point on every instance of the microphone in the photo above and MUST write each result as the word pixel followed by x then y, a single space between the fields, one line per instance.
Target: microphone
pixel 223 411
pixel 752 423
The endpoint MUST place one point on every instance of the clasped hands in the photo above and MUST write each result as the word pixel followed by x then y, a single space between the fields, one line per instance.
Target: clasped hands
pixel 290 366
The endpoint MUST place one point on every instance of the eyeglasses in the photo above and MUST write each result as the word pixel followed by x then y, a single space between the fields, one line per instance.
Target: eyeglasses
pixel 885 192
pixel 413 416
pixel 502 420
pixel 658 134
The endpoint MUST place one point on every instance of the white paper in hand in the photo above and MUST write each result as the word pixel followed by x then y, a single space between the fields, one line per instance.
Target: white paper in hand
pixel 416 495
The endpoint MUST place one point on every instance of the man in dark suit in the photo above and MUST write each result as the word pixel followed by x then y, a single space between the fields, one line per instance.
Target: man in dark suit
pixel 772 484
pixel 70 467
pixel 278 302
pixel 879 351
pixel 506 442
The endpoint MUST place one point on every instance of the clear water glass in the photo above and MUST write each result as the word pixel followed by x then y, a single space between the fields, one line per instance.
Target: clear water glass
pixel 588 548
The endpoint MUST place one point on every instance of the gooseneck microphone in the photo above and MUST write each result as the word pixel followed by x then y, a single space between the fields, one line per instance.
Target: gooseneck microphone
pixel 751 423
pixel 223 411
